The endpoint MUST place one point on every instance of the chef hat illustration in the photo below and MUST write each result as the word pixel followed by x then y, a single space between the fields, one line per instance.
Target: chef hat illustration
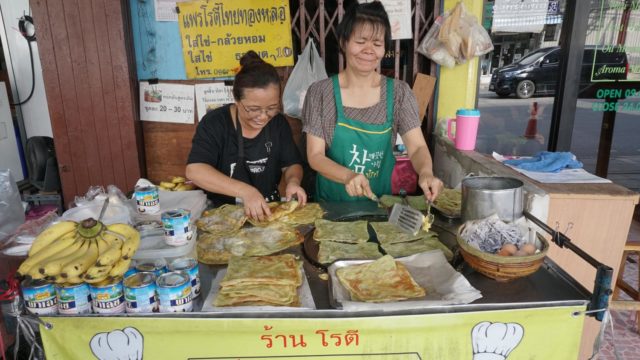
pixel 125 344
pixel 495 341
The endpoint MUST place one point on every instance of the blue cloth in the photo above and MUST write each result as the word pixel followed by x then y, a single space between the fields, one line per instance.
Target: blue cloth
pixel 546 161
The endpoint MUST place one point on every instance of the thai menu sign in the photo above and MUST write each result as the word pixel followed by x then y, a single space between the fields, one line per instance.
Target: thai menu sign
pixel 215 34
pixel 495 335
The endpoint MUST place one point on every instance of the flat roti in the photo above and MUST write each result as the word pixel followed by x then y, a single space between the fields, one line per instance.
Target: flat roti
pixel 388 233
pixel 413 247
pixel 281 269
pixel 353 232
pixel 331 251
pixel 304 215
pixel 251 241
pixel 278 210
pixel 383 280
pixel 224 219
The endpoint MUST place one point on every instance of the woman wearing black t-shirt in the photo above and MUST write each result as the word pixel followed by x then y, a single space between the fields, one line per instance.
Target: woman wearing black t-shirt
pixel 240 151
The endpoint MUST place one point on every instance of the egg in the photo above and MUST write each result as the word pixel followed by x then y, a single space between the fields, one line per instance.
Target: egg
pixel 509 248
pixel 530 249
pixel 520 253
pixel 503 252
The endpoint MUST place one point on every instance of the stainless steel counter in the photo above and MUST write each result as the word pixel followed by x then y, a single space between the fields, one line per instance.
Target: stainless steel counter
pixel 549 286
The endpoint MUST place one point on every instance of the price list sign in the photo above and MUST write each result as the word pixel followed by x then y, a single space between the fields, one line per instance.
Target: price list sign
pixel 167 103
pixel 215 35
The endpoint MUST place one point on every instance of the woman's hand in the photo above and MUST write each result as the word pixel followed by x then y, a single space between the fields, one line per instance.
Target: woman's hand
pixel 358 185
pixel 430 185
pixel 294 189
pixel 255 206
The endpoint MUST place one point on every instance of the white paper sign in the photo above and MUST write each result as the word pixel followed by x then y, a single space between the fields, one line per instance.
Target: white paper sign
pixel 211 96
pixel 399 12
pixel 519 15
pixel 166 103
pixel 166 10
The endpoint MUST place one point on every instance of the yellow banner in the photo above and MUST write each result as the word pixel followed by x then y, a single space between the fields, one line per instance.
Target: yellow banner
pixel 215 34
pixel 543 333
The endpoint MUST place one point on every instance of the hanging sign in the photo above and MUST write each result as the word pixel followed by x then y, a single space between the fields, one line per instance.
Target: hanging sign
pixel 212 96
pixel 540 333
pixel 166 103
pixel 520 16
pixel 215 35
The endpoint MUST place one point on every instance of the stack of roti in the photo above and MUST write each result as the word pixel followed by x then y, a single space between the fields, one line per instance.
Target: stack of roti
pixel 398 243
pixel 382 280
pixel 248 241
pixel 344 240
pixel 260 281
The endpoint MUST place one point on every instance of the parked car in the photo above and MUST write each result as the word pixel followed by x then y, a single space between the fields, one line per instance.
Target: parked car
pixel 538 72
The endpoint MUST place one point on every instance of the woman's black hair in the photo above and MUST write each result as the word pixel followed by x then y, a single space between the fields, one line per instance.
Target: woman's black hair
pixel 372 13
pixel 254 73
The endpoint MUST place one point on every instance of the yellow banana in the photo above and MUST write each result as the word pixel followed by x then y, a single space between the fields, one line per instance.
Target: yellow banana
pixel 50 250
pixel 167 185
pixel 78 265
pixel 130 246
pixel 51 234
pixel 178 179
pixel 96 273
pixel 113 252
pixel 53 265
pixel 132 238
pixel 120 268
pixel 103 244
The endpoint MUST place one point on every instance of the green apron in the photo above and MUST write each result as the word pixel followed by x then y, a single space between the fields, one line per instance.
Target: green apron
pixel 363 148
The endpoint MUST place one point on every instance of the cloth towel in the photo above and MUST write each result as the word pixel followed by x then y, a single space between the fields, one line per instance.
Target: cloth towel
pixel 546 161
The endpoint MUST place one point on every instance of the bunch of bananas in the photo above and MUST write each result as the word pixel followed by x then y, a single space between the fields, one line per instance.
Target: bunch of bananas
pixel 90 251
pixel 176 183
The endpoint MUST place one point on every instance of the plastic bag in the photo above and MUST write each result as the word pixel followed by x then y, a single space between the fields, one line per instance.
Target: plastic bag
pixel 455 38
pixel 11 209
pixel 308 69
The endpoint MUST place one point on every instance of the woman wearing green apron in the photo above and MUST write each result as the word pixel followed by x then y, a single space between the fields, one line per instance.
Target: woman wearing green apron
pixel 351 120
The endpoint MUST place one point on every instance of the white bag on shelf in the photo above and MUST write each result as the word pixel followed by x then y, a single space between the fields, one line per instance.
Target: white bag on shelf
pixel 308 69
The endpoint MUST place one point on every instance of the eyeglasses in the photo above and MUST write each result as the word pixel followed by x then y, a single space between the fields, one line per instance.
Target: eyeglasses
pixel 257 111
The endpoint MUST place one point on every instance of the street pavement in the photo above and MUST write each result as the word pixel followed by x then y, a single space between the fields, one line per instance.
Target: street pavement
pixel 504 121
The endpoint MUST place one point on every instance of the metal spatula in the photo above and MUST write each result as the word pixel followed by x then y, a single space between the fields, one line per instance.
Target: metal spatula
pixel 405 217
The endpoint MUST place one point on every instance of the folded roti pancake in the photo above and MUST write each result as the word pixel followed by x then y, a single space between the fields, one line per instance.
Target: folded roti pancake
pixel 304 215
pixel 413 247
pixel 278 210
pixel 353 232
pixel 388 233
pixel 251 241
pixel 331 251
pixel 382 280
pixel 281 269
pixel 280 295
pixel 224 219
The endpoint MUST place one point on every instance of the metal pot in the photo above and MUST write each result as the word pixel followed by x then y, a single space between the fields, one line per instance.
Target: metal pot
pixel 485 196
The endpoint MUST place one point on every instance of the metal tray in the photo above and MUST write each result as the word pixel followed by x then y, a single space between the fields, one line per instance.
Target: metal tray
pixel 430 269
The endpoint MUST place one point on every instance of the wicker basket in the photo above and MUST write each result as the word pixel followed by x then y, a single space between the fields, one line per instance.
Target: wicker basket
pixel 503 268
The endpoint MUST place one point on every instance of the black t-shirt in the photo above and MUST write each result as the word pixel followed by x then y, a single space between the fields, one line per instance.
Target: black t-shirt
pixel 216 143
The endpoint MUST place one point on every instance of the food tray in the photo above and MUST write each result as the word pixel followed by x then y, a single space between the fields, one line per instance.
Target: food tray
pixel 304 292
pixel 430 269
